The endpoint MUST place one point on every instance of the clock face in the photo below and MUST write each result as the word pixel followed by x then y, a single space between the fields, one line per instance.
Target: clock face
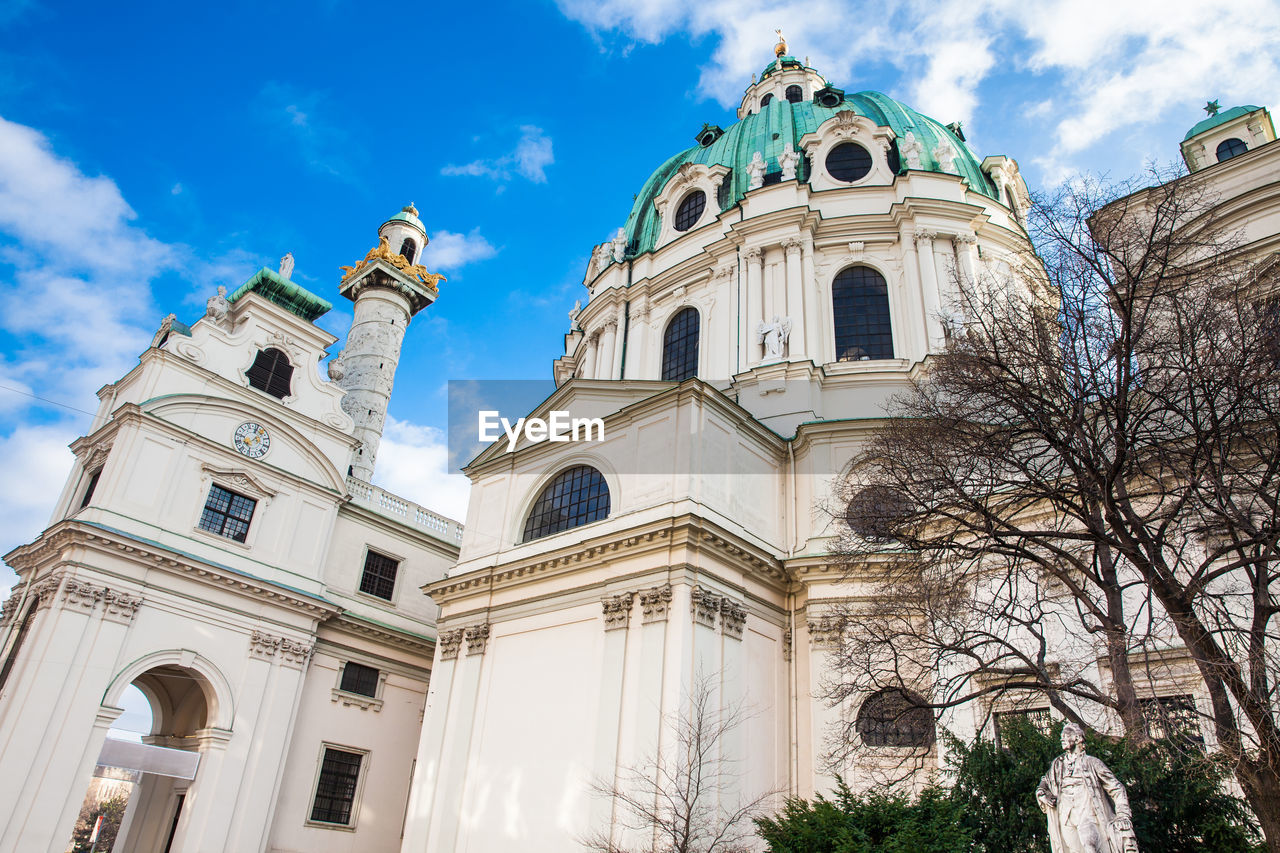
pixel 252 440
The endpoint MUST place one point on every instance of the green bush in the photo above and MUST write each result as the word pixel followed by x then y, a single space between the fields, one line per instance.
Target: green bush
pixel 1178 798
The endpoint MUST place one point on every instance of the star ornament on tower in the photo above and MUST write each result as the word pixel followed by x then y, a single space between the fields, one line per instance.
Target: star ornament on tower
pixel 1212 108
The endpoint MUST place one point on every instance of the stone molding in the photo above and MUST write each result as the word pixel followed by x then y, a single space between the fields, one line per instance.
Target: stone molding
pixel 655 603
pixel 617 610
pixel 477 638
pixel 357 700
pixel 450 643
pixel 267 647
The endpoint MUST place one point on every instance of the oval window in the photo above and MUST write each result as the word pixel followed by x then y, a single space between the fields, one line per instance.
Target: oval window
pixel 690 210
pixel 848 162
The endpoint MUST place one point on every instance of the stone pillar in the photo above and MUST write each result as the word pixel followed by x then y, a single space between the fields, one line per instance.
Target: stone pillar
pixel 369 363
pixel 815 308
pixel 966 249
pixel 460 717
pixel 797 345
pixel 608 340
pixel 431 745
pixel 752 317
pixel 929 291
pixel 592 345
pixel 617 621
pixel 619 341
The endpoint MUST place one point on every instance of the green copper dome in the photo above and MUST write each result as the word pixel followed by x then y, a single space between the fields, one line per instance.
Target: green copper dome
pixel 1221 118
pixel 409 215
pixel 768 132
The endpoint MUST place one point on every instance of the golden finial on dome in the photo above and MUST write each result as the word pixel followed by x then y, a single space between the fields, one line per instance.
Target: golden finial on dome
pixel 780 49
pixel 409 208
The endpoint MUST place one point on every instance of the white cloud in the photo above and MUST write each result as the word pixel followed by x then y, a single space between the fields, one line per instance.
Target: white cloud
pixel 530 159
pixel 37 458
pixel 448 250
pixel 1117 64
pixel 413 463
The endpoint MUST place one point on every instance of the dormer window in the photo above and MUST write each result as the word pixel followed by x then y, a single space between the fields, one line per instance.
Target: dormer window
pixel 271 372
pixel 848 162
pixel 1229 148
pixel 407 249
pixel 764 102
pixel 794 94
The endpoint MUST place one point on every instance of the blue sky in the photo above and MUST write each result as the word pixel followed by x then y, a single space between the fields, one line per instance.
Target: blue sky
pixel 150 152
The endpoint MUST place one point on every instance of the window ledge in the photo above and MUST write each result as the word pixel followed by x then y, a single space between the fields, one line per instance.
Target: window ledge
pixel 362 702
pixel 319 824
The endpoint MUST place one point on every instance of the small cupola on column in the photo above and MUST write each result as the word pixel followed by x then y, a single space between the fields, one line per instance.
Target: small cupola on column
pixel 405 234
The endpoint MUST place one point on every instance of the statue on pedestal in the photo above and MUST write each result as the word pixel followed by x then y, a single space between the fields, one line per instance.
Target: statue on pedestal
pixel 1087 806
pixel 773 335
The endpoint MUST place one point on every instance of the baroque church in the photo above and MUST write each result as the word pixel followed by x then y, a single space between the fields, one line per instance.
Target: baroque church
pixel 331 667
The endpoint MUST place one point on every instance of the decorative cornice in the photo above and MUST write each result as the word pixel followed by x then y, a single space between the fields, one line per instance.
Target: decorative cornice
pixel 655 603
pixel 77 594
pixel 477 639
pixel 450 643
pixel 239 480
pixel 403 639
pixel 824 632
pixel 617 610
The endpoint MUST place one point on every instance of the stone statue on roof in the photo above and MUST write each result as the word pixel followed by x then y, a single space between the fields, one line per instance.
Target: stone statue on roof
pixel 619 245
pixel 217 306
pixel 756 170
pixel 788 160
pixel 286 265
pixel 911 149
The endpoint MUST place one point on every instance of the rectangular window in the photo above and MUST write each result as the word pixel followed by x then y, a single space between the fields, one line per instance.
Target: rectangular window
pixel 358 678
pixel 1173 718
pixel 227 514
pixel 1038 718
pixel 379 575
pixel 336 788
pixel 88 491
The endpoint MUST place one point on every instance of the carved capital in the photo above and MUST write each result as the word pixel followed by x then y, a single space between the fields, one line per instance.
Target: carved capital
pixel 450 643
pixel 924 235
pixel 786 644
pixel 964 239
pixel 733 616
pixel 617 610
pixel 824 632
pixel 477 638
pixel 792 246
pixel 856 249
pixel 76 594
pixel 755 253
pixel 724 270
pixel 264 646
pixel 705 604
pixel 294 653
pixel 655 603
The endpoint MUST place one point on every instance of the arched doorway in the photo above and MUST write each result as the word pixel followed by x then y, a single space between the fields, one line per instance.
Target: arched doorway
pixel 145 778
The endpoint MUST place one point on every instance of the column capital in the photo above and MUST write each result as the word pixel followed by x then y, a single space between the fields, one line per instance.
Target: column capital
pixel 617 610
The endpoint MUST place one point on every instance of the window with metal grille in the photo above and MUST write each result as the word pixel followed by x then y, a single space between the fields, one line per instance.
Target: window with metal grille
pixel 227 513
pixel 1037 718
pixel 336 788
pixel 1229 148
pixel 575 497
pixel 860 303
pixel 358 678
pixel 894 717
pixel 766 100
pixel 690 210
pixel 379 576
pixel 680 346
pixel 271 372
pixel 407 249
pixel 89 489
pixel 848 162
pixel 795 94
pixel 1173 718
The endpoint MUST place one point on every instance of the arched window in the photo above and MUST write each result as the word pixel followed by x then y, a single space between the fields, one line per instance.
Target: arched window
pixel 408 248
pixel 766 100
pixel 690 210
pixel 680 346
pixel 860 300
pixel 1229 148
pixel 575 497
pixel 875 512
pixel 271 372
pixel 795 94
pixel 894 717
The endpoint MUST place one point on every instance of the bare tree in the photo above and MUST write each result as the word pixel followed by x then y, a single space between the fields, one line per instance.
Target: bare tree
pixel 687 799
pixel 1081 497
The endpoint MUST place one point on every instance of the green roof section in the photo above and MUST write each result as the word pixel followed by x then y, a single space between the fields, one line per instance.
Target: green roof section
pixel 1221 118
pixel 409 215
pixel 275 288
pixel 768 132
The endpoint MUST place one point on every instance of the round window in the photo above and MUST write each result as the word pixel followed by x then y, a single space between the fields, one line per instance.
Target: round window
pixel 848 162
pixel 690 210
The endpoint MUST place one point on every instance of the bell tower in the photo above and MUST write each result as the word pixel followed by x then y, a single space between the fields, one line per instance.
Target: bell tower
pixel 388 288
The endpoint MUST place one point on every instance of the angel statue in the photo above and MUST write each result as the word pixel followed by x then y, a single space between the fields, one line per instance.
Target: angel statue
pixel 773 335
pixel 1087 806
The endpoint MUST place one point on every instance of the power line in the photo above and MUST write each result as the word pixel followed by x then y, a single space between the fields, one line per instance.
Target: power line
pixel 44 399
